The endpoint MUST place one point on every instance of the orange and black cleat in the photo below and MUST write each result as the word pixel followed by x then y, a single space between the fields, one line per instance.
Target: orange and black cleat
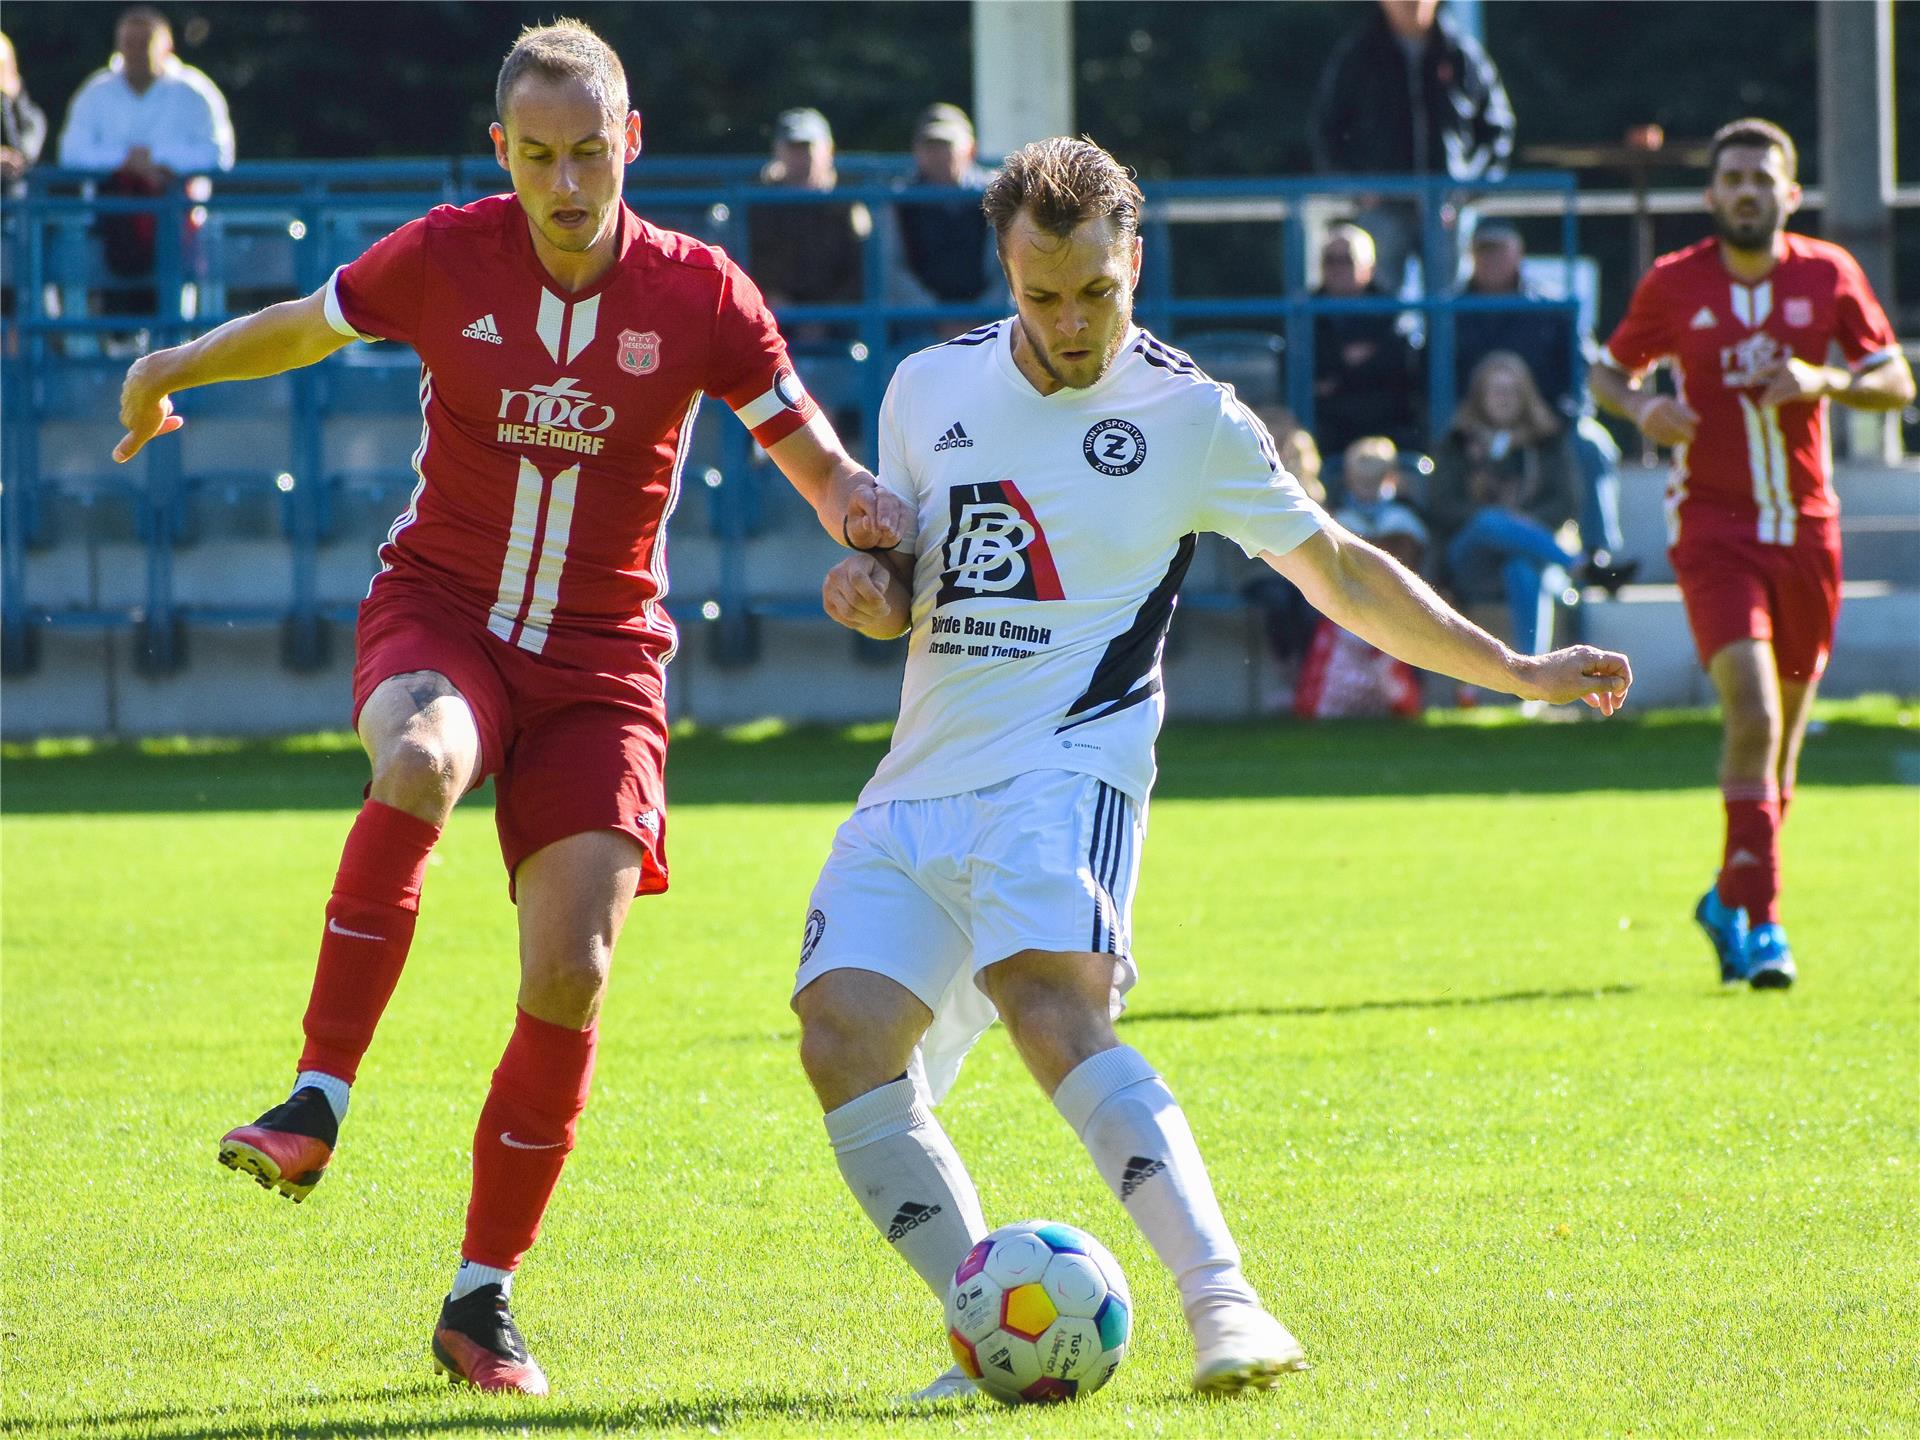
pixel 286 1149
pixel 476 1342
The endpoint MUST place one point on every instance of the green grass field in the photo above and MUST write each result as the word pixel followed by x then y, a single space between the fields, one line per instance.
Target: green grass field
pixel 1496 1144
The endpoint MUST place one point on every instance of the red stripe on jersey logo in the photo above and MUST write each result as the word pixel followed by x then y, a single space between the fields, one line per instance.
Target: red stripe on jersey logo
pixel 995 547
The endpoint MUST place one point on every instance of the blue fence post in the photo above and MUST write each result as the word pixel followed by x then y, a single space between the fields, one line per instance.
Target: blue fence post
pixel 1299 316
pixel 1434 308
pixel 304 639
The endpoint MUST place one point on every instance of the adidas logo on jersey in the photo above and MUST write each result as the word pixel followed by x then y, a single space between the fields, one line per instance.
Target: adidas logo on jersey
pixel 955 439
pixel 1139 1170
pixel 484 329
pixel 1702 319
pixel 909 1216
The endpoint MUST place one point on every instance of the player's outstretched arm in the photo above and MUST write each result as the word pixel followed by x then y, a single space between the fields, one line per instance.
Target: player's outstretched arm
pixel 852 506
pixel 870 593
pixel 268 342
pixel 1370 593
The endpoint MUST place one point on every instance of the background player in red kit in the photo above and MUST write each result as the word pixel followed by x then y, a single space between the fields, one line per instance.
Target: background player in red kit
pixel 516 628
pixel 1747 319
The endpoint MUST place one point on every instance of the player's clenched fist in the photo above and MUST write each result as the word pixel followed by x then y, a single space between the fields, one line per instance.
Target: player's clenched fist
pixel 862 594
pixel 877 519
pixel 1580 672
pixel 1667 421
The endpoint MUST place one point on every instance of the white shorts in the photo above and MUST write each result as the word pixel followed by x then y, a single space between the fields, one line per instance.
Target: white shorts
pixel 930 893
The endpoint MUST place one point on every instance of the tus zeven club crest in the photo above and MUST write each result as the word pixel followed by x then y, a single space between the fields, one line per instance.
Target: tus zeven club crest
pixel 995 547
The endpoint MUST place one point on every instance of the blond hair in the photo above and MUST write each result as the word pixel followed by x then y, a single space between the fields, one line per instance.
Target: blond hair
pixel 1538 420
pixel 565 50
pixel 1063 183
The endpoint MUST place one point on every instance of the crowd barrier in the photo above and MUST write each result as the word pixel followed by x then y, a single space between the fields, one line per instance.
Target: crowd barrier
pixel 287 474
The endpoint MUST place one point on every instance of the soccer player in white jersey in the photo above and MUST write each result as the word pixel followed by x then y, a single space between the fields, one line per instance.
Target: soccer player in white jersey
pixel 1060 463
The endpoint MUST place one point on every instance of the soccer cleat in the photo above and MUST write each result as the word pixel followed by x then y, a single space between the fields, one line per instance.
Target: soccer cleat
pixel 1241 1347
pixel 477 1342
pixel 950 1384
pixel 1726 928
pixel 286 1149
pixel 1770 958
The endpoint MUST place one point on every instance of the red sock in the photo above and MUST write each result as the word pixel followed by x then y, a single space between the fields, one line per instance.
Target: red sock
pixel 1750 867
pixel 526 1129
pixel 376 898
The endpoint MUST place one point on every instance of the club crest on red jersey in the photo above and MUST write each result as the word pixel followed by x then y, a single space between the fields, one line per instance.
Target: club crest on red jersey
pixel 639 351
pixel 995 547
pixel 1797 311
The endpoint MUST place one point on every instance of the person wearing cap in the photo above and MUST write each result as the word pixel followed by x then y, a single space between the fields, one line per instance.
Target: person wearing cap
pixel 806 254
pixel 1545 340
pixel 944 248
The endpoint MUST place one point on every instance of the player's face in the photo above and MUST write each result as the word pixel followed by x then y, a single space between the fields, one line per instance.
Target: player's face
pixel 567 157
pixel 1751 196
pixel 1075 298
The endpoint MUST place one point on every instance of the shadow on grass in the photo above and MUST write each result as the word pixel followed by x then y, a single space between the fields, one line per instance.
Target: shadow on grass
pixel 505 1413
pixel 1358 1007
pixel 1858 743
pixel 1257 1012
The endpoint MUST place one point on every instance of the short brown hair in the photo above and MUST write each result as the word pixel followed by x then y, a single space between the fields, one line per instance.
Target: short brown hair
pixel 1063 183
pixel 564 50
pixel 1755 132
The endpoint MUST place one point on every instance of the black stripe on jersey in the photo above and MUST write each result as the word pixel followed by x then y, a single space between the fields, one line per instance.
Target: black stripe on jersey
pixel 1130 657
pixel 1096 848
pixel 1153 357
pixel 977 336
pixel 1180 358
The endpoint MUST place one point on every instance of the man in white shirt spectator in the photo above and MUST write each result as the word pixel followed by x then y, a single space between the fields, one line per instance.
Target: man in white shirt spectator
pixel 147 118
pixel 147 111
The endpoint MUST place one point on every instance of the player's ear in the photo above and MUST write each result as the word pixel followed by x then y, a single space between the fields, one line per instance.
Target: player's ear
pixel 1139 249
pixel 498 134
pixel 633 136
pixel 1794 197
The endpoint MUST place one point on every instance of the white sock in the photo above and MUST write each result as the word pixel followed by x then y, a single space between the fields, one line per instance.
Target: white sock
pixel 1132 1127
pixel 909 1179
pixel 332 1086
pixel 471 1276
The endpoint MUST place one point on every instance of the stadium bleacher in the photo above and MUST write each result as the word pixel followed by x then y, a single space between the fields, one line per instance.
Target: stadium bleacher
pixel 146 597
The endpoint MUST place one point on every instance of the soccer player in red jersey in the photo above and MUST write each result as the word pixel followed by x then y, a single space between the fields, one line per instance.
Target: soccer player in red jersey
pixel 515 629
pixel 1746 319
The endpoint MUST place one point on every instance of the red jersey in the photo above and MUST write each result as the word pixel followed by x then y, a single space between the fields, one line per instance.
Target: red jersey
pixel 1752 470
pixel 555 424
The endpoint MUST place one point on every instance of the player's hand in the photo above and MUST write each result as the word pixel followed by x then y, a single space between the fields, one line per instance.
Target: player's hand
pixel 1793 381
pixel 855 594
pixel 144 409
pixel 1601 678
pixel 1667 421
pixel 877 519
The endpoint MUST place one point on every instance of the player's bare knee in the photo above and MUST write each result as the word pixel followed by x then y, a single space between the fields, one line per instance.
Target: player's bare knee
pixel 847 1049
pixel 566 985
pixel 420 771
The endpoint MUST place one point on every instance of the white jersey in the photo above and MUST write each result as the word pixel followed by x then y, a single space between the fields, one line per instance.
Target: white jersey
pixel 1054 532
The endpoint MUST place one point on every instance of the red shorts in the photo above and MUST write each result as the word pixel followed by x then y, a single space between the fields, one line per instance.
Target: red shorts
pixel 572 750
pixel 1737 588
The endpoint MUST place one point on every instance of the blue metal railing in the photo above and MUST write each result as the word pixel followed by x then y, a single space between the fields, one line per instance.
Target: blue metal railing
pixel 279 228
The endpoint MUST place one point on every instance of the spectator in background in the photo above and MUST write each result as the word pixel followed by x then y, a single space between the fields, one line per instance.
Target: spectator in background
pixel 1373 509
pixel 148 119
pixel 1545 340
pixel 1502 487
pixel 1286 617
pixel 23 125
pixel 806 254
pixel 1406 93
pixel 946 251
pixel 1366 370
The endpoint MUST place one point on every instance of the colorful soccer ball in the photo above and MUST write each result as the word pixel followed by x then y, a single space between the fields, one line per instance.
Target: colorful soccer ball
pixel 1039 1312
